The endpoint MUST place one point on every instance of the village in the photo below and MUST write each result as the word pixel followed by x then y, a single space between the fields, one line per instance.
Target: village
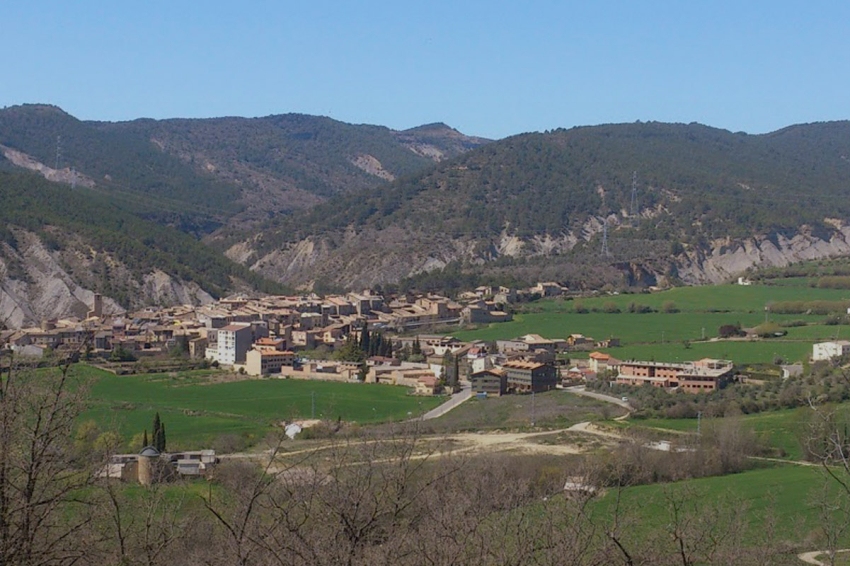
pixel 296 337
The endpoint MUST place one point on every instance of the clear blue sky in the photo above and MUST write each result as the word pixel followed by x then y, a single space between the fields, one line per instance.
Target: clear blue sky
pixel 488 68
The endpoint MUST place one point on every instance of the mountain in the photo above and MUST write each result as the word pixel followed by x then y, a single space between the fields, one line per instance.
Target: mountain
pixel 120 208
pixel 201 174
pixel 708 204
pixel 59 245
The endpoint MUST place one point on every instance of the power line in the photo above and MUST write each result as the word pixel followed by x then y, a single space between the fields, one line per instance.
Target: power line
pixel 605 251
pixel 633 212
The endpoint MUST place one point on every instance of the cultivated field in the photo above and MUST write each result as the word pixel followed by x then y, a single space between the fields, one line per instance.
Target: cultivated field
pixel 197 408
pixel 688 330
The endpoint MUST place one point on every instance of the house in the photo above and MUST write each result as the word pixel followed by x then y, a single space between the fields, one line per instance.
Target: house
pixel 493 382
pixel 828 350
pixel 525 377
pixel 600 361
pixel 267 361
pixel 579 341
pixel 426 385
pixel 548 289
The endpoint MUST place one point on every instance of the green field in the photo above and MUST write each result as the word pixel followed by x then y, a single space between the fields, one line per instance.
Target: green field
pixel 196 409
pixel 785 492
pixel 661 335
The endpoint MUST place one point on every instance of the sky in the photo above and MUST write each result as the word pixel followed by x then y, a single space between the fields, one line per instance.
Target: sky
pixel 491 69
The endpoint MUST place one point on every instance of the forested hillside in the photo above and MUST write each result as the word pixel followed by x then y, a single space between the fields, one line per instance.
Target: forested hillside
pixel 204 173
pixel 124 166
pixel 550 193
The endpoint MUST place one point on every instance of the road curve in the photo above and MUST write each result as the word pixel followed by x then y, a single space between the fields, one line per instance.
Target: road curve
pixel 455 400
pixel 582 390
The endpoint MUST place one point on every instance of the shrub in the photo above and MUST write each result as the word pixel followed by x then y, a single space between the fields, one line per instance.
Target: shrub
pixel 610 308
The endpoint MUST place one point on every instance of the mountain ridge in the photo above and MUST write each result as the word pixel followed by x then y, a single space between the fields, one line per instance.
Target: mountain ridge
pixel 696 185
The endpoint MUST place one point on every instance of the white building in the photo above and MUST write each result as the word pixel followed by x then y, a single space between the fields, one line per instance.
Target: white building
pixel 828 350
pixel 232 344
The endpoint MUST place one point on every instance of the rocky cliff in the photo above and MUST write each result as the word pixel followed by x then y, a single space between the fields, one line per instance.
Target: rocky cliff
pixel 38 283
pixel 370 257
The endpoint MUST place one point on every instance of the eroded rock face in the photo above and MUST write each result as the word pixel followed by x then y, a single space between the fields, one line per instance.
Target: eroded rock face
pixel 371 257
pixel 38 283
pixel 727 259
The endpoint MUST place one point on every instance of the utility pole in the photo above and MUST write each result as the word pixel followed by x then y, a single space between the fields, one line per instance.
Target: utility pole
pixel 532 408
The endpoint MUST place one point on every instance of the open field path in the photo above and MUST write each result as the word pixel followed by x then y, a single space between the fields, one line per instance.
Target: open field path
pixel 812 556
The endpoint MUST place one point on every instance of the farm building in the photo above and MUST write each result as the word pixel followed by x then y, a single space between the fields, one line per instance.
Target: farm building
pixel 827 350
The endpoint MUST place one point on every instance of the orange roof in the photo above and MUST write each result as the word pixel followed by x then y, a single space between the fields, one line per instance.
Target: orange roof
pixel 599 356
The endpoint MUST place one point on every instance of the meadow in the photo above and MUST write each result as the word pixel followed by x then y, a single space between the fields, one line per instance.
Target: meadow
pixel 686 333
pixel 196 408
pixel 784 493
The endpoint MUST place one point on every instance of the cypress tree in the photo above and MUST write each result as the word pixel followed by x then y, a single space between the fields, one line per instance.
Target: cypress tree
pixel 145 439
pixel 365 339
pixel 162 441
pixel 158 434
pixel 377 345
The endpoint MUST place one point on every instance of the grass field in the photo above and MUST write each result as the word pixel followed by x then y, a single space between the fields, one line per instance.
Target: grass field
pixel 661 335
pixel 196 409
pixel 786 492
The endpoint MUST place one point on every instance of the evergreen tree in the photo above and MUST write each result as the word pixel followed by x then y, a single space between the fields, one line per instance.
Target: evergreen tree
pixel 376 345
pixel 158 433
pixel 145 439
pixel 365 339
pixel 417 348
pixel 350 351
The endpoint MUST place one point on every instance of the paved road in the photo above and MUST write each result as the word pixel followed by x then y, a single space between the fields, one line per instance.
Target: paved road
pixel 581 390
pixel 455 400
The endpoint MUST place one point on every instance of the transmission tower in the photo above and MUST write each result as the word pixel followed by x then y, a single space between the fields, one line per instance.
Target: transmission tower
pixel 605 251
pixel 58 152
pixel 634 210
